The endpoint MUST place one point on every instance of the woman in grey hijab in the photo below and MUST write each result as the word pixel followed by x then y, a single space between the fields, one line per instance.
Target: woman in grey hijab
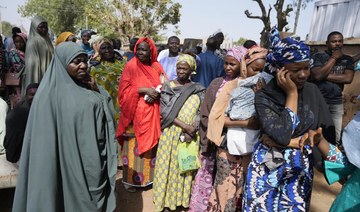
pixel 39 52
pixel 69 159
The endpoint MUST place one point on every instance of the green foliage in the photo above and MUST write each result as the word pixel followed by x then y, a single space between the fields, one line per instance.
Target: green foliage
pixel 6 28
pixel 112 18
pixel 62 15
pixel 240 42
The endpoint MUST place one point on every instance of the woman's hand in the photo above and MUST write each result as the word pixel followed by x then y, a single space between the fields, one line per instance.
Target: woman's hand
pixel 267 141
pixel 190 130
pixel 284 81
pixel 90 83
pixel 315 137
pixel 187 138
pixel 152 93
pixel 259 84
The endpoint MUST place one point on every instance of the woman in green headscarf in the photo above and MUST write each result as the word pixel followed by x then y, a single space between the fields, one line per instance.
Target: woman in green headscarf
pixel 39 52
pixel 68 160
pixel 108 71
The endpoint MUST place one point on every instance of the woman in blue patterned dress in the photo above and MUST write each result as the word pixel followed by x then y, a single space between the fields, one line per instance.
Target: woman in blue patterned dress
pixel 280 173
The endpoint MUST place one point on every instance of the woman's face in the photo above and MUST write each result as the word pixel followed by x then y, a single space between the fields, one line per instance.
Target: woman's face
pixel 85 38
pixel 255 67
pixel 19 43
pixel 43 29
pixel 183 71
pixel 77 68
pixel 299 72
pixel 106 51
pixel 231 66
pixel 143 52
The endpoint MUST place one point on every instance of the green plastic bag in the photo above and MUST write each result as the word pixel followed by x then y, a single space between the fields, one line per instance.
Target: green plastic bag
pixel 188 156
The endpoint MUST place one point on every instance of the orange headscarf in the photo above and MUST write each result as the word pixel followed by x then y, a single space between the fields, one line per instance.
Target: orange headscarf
pixel 62 37
pixel 144 117
pixel 255 53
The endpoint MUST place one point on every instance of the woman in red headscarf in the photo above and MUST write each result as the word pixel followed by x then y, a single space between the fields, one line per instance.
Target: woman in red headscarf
pixel 139 123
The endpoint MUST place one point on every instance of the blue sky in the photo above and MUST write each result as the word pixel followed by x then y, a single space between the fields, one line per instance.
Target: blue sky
pixel 200 18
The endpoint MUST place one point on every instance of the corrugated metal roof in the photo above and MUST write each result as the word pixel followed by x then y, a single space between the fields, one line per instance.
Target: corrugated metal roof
pixel 335 15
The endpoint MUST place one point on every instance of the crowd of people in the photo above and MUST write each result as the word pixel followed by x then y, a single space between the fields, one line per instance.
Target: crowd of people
pixel 209 130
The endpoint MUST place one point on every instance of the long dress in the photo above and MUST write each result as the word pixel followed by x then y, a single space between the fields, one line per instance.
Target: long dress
pixel 139 124
pixel 285 186
pixel 68 160
pixel 108 75
pixel 39 53
pixel 171 188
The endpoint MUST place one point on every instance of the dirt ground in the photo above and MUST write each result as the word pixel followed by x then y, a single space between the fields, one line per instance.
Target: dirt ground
pixel 322 197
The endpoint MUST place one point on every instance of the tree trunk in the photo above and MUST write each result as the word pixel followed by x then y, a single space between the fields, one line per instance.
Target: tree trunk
pixel 298 9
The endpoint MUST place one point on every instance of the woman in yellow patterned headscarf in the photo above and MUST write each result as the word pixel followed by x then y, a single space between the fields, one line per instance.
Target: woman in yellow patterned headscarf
pixel 189 60
pixel 179 108
pixel 65 36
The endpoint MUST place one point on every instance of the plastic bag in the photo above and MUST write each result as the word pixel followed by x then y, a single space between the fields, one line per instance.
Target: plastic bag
pixel 188 156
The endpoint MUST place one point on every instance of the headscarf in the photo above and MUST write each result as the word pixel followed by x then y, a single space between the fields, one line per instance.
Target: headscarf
pixel 22 35
pixel 85 31
pixel 255 53
pixel 189 60
pixel 144 117
pixel 19 52
pixel 75 144
pixel 239 53
pixel 285 51
pixel 39 52
pixel 62 37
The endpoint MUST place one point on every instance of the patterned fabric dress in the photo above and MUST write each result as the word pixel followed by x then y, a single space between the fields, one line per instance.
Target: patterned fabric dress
pixel 172 189
pixel 138 170
pixel 287 188
pixel 229 182
pixel 108 75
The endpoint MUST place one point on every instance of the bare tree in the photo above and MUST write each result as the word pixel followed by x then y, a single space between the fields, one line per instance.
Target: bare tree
pixel 281 18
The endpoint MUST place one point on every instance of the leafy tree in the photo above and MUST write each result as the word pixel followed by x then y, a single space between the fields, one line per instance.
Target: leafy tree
pixel 62 15
pixel 240 42
pixel 6 28
pixel 281 17
pixel 112 18
pixel 129 18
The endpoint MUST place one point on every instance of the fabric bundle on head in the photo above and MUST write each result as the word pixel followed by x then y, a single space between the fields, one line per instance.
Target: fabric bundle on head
pixel 285 51
pixel 239 52
pixel 189 60
pixel 22 35
pixel 62 37
pixel 96 39
pixel 255 53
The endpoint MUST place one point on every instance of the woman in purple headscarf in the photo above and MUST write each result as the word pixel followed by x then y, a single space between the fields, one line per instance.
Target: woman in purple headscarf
pixel 280 174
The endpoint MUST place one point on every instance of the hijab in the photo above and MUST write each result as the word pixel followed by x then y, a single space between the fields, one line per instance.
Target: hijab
pixel 69 159
pixel 39 52
pixel 144 117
